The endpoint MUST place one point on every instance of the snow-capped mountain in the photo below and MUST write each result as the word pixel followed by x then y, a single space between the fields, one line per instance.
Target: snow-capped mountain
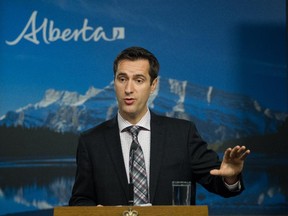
pixel 218 115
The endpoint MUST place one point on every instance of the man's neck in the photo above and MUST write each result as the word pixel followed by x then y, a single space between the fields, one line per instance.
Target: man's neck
pixel 133 119
pixel 144 121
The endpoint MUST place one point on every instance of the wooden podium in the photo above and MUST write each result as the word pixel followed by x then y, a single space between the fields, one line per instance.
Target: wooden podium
pixel 132 211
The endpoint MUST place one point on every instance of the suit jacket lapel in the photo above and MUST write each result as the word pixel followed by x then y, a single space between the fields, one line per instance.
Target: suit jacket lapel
pixel 156 153
pixel 114 148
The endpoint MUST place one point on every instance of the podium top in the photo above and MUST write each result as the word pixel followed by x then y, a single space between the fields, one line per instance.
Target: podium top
pixel 131 211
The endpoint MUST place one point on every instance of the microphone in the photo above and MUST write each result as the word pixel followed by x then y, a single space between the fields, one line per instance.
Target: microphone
pixel 131 194
pixel 133 148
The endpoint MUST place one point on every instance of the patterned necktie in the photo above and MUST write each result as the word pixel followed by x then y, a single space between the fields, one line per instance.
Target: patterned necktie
pixel 137 168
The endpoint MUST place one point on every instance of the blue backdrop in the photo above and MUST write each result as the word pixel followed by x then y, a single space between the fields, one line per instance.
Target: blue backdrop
pixel 223 66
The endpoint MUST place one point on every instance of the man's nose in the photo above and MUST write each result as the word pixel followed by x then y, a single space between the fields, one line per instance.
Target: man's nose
pixel 129 87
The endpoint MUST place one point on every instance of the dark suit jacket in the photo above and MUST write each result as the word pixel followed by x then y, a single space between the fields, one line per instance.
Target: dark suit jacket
pixel 177 154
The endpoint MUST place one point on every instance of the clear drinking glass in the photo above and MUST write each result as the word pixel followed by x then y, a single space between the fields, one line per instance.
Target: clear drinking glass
pixel 181 192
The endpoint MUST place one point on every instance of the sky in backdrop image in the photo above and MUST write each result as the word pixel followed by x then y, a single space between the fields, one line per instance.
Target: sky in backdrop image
pixel 235 46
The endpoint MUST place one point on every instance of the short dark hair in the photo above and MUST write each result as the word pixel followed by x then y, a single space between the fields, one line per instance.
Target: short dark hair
pixel 138 53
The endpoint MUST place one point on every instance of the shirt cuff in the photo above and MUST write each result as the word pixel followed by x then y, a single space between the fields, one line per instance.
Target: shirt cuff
pixel 234 187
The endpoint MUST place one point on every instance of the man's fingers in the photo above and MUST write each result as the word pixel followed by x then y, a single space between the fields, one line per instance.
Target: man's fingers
pixel 237 152
pixel 245 154
pixel 242 153
pixel 215 172
pixel 227 153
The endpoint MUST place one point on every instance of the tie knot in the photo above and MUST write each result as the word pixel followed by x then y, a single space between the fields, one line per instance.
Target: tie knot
pixel 134 130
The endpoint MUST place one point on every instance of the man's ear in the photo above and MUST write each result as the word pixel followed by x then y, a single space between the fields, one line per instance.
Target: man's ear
pixel 154 85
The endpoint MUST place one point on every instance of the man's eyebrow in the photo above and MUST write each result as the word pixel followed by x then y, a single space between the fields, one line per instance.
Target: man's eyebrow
pixel 134 75
pixel 121 74
pixel 139 76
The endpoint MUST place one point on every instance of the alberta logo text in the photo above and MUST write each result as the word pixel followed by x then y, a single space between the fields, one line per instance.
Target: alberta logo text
pixel 50 33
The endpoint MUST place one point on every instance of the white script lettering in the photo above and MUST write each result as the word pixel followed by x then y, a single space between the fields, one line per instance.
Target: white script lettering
pixel 52 34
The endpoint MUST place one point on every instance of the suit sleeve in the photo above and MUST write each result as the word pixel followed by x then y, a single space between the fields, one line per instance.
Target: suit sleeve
pixel 203 160
pixel 83 193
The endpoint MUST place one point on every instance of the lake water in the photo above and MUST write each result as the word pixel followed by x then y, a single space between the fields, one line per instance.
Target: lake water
pixel 27 185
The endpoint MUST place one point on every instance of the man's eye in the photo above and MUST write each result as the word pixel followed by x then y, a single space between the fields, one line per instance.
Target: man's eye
pixel 121 79
pixel 139 80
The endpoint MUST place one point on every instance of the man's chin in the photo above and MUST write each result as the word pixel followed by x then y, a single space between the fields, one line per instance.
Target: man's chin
pixel 129 113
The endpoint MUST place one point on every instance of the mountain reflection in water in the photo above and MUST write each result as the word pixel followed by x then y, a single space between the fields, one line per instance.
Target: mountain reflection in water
pixel 35 184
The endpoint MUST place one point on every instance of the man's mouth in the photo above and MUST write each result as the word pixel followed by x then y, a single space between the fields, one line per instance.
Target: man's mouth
pixel 129 101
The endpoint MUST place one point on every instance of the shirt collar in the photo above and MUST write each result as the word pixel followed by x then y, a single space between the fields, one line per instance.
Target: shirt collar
pixel 144 121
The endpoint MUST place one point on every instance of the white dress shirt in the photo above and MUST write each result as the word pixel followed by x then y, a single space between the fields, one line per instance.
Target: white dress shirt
pixel 144 138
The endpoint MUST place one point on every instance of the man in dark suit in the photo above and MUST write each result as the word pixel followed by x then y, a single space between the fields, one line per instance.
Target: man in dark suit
pixel 173 149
